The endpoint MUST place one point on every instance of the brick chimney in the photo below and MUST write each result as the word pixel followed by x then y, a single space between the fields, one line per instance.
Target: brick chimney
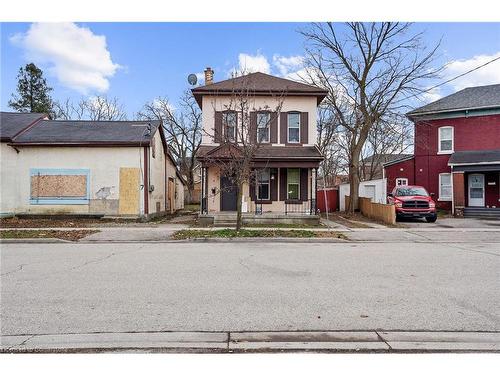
pixel 209 76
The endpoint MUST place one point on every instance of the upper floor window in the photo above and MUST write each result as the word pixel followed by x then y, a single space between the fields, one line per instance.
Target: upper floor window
pixel 293 127
pixel 263 120
pixel 445 139
pixel 229 121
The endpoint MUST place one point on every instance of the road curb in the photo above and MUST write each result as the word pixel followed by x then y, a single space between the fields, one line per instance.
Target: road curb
pixel 271 341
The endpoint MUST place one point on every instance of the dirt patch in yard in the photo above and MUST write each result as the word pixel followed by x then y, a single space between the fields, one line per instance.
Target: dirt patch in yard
pixel 68 235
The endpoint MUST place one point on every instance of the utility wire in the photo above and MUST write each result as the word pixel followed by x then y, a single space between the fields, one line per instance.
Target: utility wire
pixel 451 79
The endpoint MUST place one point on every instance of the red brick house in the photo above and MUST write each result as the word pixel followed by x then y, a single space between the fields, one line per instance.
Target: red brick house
pixel 457 152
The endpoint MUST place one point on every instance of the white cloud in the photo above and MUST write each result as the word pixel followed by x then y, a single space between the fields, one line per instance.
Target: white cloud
pixel 432 95
pixel 75 55
pixel 288 65
pixel 251 64
pixel 488 75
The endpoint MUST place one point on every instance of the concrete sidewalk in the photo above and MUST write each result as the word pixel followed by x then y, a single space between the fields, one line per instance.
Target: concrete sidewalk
pixel 315 341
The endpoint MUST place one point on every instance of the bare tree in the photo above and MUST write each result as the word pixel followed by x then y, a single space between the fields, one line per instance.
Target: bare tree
pixel 96 108
pixel 182 130
pixel 390 136
pixel 236 160
pixel 367 70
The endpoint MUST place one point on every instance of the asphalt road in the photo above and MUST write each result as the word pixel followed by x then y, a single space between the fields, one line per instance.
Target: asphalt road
pixel 82 288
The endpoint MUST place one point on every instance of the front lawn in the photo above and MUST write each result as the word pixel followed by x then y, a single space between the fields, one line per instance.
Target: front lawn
pixel 248 233
pixel 69 235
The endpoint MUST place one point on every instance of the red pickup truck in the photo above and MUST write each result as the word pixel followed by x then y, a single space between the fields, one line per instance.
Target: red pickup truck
pixel 413 201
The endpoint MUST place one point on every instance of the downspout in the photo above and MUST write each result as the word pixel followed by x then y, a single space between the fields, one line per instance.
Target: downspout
pixel 146 180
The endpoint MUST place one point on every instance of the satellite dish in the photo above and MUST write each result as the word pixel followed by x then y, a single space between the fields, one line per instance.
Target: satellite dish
pixel 192 79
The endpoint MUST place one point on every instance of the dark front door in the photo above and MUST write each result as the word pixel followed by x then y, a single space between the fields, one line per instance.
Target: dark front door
pixel 229 194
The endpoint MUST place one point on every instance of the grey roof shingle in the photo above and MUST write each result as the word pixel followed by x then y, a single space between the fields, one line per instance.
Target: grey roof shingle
pixel 56 132
pixel 260 83
pixel 474 157
pixel 469 98
pixel 385 158
pixel 12 123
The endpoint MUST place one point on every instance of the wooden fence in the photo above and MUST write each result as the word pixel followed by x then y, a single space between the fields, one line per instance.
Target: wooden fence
pixel 377 211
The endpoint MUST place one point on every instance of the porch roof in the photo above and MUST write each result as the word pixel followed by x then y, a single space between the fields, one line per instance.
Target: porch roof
pixel 266 152
pixel 474 157
pixel 482 160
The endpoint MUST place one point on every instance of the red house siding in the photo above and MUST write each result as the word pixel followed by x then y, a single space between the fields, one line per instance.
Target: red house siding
pixel 469 133
pixel 404 169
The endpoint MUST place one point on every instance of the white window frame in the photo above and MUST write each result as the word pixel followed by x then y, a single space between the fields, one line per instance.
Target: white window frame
pixel 288 184
pixel 224 125
pixel 452 140
pixel 288 127
pixel 268 183
pixel 268 127
pixel 401 179
pixel 445 198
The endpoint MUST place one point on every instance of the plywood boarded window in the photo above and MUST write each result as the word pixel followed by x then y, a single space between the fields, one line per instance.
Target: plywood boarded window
pixel 59 186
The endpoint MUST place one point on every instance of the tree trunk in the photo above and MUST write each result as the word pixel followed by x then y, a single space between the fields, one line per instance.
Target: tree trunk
pixel 239 218
pixel 354 180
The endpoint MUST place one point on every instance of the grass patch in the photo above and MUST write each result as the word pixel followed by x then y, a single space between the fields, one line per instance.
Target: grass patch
pixel 284 225
pixel 246 233
pixel 69 235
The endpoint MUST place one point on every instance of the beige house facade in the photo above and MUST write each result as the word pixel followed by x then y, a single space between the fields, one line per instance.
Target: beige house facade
pixel 281 116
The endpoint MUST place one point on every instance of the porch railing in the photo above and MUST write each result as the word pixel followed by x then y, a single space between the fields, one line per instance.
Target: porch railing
pixel 301 207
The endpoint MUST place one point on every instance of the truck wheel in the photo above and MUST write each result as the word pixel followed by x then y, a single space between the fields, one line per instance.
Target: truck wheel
pixel 431 219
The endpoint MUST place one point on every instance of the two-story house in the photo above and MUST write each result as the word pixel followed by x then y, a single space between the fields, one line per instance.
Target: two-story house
pixel 283 115
pixel 457 152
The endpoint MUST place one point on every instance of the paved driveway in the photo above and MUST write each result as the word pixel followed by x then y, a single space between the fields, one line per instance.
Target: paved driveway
pixel 82 288
pixel 452 223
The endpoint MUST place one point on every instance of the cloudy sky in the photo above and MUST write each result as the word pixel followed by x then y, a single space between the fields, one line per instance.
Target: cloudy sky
pixel 137 62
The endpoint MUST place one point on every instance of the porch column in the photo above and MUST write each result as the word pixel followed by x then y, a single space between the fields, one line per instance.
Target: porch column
pixel 458 193
pixel 204 190
pixel 314 175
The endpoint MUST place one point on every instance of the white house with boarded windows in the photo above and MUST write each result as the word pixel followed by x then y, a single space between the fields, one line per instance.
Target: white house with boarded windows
pixel 86 168
pixel 287 158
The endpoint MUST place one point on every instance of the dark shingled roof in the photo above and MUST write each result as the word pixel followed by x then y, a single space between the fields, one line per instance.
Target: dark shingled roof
pixel 274 152
pixel 386 158
pixel 12 123
pixel 469 98
pixel 50 132
pixel 260 83
pixel 474 157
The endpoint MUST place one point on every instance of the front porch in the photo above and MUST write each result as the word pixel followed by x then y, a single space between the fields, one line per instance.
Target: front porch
pixel 476 183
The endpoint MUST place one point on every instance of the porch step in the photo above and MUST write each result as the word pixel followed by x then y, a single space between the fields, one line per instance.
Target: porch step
pixel 480 212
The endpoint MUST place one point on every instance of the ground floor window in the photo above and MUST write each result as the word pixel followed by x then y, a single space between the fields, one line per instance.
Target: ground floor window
pixel 445 186
pixel 59 186
pixel 293 183
pixel 263 177
pixel 401 181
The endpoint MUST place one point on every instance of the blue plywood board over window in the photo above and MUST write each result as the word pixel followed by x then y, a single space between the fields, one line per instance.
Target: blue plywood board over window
pixel 62 172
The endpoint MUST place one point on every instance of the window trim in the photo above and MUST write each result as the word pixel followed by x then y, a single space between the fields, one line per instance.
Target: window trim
pixel 268 183
pixel 441 197
pixel 401 178
pixel 268 127
pixel 288 127
pixel 288 184
pixel 452 140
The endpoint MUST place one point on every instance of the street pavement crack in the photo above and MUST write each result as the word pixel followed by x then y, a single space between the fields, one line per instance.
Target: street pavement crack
pixel 382 339
pixel 20 267
pixel 22 343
